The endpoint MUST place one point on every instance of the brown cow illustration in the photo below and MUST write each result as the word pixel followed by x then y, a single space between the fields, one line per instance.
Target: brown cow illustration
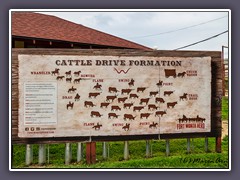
pixel 138 108
pixel 145 115
pixel 153 125
pixel 77 97
pixel 127 105
pixel 126 91
pixel 182 74
pixel 184 96
pixel 69 80
pixel 56 71
pixel 76 73
pixel 112 90
pixel 72 89
pixel 171 104
pixel 122 99
pixel 97 86
pixel 153 93
pixel 144 100
pixel 68 73
pixel 170 72
pixel 95 114
pixel 160 113
pixel 167 93
pixel 93 95
pixel 108 98
pixel 70 105
pixel 104 104
pixel 129 117
pixel 60 78
pixel 141 89
pixel 159 100
pixel 97 127
pixel 114 115
pixel 152 107
pixel 89 104
pixel 126 127
pixel 133 96
pixel 113 108
pixel 160 83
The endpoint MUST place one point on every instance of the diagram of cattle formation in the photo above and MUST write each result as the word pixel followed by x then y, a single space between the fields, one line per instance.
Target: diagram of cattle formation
pixel 126 103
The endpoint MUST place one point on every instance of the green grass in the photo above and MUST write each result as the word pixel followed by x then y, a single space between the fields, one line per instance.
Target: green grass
pixel 178 158
pixel 225 108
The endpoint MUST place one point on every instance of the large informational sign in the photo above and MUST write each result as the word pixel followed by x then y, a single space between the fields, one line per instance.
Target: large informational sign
pixel 87 95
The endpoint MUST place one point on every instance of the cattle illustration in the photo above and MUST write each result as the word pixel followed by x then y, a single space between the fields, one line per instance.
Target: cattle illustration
pixel 170 72
pixel 114 115
pixel 152 107
pixel 77 81
pixel 133 96
pixel 95 114
pixel 153 93
pixel 144 100
pixel 97 127
pixel 160 113
pixel 182 74
pixel 97 86
pixel 60 78
pixel 199 119
pixel 77 97
pixel 122 99
pixel 131 83
pixel 90 95
pixel 171 104
pixel 159 100
pixel 141 89
pixel 126 127
pixel 145 115
pixel 160 83
pixel 69 80
pixel 68 73
pixel 167 93
pixel 56 71
pixel 70 105
pixel 112 90
pixel 108 98
pixel 72 90
pixel 129 117
pixel 184 96
pixel 115 108
pixel 104 104
pixel 183 119
pixel 76 73
pixel 126 91
pixel 138 108
pixel 153 125
pixel 127 105
pixel 88 104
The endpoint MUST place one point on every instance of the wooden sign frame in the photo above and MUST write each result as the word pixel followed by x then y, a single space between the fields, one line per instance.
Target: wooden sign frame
pixel 216 93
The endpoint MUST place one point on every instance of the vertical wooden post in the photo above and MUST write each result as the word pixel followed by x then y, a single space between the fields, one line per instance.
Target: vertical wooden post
pixel 188 145
pixel 147 148
pixel 206 144
pixel 42 154
pixel 104 150
pixel 126 150
pixel 91 152
pixel 79 152
pixel 167 147
pixel 218 144
pixel 29 155
pixel 68 153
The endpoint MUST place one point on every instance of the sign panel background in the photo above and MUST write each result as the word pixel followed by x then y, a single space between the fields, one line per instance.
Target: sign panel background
pixel 111 100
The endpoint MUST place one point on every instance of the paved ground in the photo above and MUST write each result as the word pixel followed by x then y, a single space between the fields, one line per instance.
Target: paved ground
pixel 224 128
